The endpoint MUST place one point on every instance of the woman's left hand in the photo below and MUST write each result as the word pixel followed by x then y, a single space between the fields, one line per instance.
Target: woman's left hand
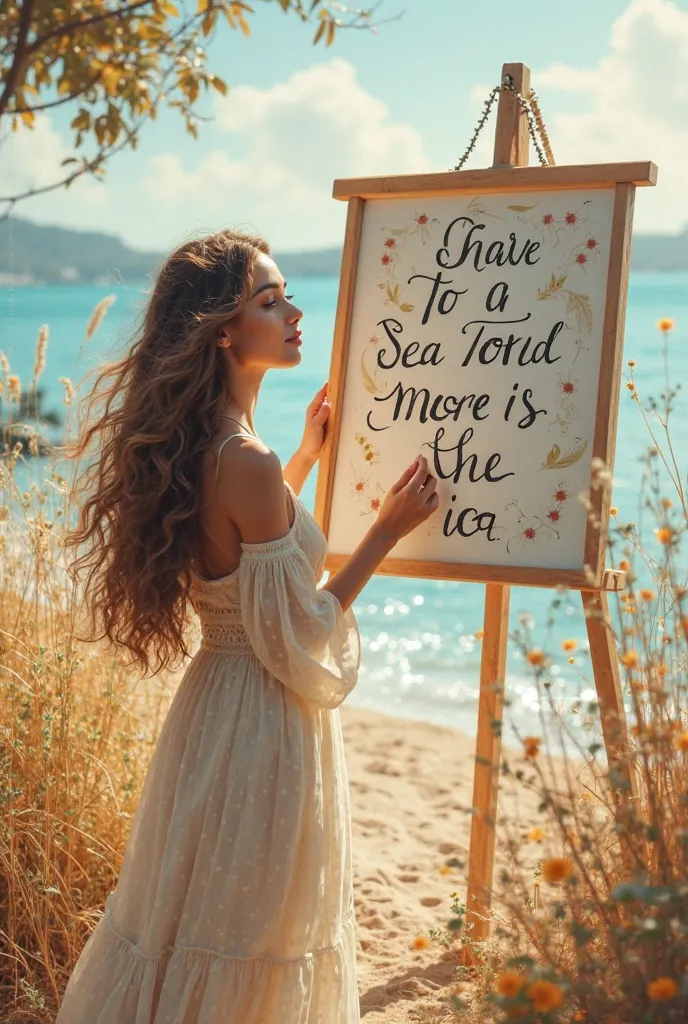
pixel 315 431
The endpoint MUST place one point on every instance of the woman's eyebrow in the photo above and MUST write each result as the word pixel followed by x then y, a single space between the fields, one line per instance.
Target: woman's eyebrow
pixel 263 287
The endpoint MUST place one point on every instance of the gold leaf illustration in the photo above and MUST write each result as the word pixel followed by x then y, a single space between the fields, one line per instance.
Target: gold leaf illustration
pixel 554 461
pixel 522 209
pixel 368 381
pixel 406 307
pixel 579 307
pixel 552 456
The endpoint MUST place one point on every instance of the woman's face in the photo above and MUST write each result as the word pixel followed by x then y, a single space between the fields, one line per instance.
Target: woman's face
pixel 266 332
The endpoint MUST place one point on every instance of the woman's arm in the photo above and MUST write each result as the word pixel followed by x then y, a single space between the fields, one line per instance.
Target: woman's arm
pixel 297 469
pixel 350 580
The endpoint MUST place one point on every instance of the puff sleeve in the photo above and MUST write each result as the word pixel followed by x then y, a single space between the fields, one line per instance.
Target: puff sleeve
pixel 299 632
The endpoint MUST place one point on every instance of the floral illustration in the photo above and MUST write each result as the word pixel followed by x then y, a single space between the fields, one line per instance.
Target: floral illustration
pixel 370 380
pixel 531 528
pixel 547 225
pixel 567 390
pixel 577 304
pixel 369 493
pixel 395 239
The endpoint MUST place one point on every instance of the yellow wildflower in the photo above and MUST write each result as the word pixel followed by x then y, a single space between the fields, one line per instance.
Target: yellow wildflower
pixel 630 659
pixel 624 565
pixel 568 645
pixel 420 942
pixel 545 995
pixel 665 325
pixel 535 657
pixel 664 534
pixel 509 984
pixel 682 742
pixel 531 745
pixel 479 634
pixel 662 989
pixel 613 511
pixel 556 869
pixel 537 834
pixel 647 595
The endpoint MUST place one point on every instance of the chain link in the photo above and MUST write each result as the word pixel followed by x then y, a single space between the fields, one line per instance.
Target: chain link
pixel 536 126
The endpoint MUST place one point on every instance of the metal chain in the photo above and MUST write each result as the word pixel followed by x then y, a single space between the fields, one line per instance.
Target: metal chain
pixel 536 125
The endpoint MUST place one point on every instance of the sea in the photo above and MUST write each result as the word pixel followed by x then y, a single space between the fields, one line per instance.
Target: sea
pixel 420 654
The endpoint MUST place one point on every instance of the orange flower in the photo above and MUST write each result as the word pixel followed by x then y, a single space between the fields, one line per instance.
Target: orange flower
pixel 479 634
pixel 531 746
pixel 647 595
pixel 568 645
pixel 535 657
pixel 536 835
pixel 509 984
pixel 630 386
pixel 556 869
pixel 420 942
pixel 624 565
pixel 613 511
pixel 630 659
pixel 682 742
pixel 665 325
pixel 662 989
pixel 545 995
pixel 664 534
pixel 662 669
pixel 667 503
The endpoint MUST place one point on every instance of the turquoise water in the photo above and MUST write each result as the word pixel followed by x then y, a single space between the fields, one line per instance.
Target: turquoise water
pixel 420 658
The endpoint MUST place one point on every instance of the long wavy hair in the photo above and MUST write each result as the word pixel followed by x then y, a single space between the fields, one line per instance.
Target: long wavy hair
pixel 156 412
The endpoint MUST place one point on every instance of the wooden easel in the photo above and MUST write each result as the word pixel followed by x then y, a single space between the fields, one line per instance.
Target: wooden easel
pixel 511 149
pixel 510 173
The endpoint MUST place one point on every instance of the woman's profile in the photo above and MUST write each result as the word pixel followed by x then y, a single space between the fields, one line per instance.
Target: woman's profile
pixel 234 904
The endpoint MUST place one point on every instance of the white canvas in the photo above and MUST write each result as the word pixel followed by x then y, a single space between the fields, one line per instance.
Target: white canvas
pixel 526 436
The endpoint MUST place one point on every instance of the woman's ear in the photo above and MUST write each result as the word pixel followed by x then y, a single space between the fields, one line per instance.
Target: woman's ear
pixel 223 339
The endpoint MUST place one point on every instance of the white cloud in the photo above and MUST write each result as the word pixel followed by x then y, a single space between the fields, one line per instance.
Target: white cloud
pixel 632 106
pixel 30 158
pixel 299 135
pixel 636 101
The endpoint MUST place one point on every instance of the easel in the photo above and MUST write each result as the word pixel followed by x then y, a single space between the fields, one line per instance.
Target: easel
pixel 511 149
pixel 510 173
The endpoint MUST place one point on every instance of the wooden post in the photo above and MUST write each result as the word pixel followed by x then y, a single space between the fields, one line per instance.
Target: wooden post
pixel 511 148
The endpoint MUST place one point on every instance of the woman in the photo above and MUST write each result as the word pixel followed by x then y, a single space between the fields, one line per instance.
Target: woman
pixel 234 903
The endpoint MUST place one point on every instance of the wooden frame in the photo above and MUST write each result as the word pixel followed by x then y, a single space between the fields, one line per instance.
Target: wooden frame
pixel 623 178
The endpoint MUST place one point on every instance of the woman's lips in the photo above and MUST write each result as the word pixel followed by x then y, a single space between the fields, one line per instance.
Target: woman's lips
pixel 295 339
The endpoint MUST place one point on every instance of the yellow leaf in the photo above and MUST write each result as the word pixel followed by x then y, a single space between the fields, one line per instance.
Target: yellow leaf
pixel 28 118
pixel 110 78
pixel 319 33
pixel 330 33
pixel 218 84
pixel 406 307
pixel 202 6
pixel 522 209
pixel 169 8
pixel 64 86
pixel 368 382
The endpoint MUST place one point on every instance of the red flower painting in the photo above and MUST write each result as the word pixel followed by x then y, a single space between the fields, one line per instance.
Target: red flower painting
pixel 570 218
pixel 529 533
pixel 581 259
pixel 554 516
pixel 548 218
pixel 560 495
pixel 423 219
pixel 390 243
pixel 568 387
pixel 386 259
pixel 591 243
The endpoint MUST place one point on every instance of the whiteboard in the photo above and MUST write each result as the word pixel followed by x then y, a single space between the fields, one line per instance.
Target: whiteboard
pixel 476 334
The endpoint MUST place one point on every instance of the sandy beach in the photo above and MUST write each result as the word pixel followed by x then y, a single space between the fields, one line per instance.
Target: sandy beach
pixel 411 787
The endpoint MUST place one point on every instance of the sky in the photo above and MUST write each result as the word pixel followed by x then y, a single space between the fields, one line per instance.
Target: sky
pixel 610 74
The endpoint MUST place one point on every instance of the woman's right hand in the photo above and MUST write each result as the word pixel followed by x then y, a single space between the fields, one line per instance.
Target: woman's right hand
pixel 409 502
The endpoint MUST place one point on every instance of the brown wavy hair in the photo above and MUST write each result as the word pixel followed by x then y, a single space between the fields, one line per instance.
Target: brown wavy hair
pixel 157 410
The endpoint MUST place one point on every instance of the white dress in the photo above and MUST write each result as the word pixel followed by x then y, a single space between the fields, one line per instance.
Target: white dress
pixel 235 900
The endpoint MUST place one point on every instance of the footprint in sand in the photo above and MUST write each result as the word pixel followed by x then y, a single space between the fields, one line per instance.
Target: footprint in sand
pixel 408 878
pixel 381 768
pixel 450 848
pixel 430 901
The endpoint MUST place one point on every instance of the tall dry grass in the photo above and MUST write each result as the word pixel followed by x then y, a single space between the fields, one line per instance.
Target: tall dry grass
pixel 591 914
pixel 77 728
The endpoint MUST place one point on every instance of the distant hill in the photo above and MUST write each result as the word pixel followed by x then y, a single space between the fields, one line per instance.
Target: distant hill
pixel 32 252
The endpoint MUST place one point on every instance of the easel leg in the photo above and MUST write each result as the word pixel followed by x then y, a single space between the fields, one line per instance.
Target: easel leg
pixel 487 750
pixel 605 666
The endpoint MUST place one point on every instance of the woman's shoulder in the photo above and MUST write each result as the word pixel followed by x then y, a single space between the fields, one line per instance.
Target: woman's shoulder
pixel 250 487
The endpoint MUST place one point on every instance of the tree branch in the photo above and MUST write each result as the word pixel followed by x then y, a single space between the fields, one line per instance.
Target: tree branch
pixel 56 103
pixel 20 54
pixel 74 26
